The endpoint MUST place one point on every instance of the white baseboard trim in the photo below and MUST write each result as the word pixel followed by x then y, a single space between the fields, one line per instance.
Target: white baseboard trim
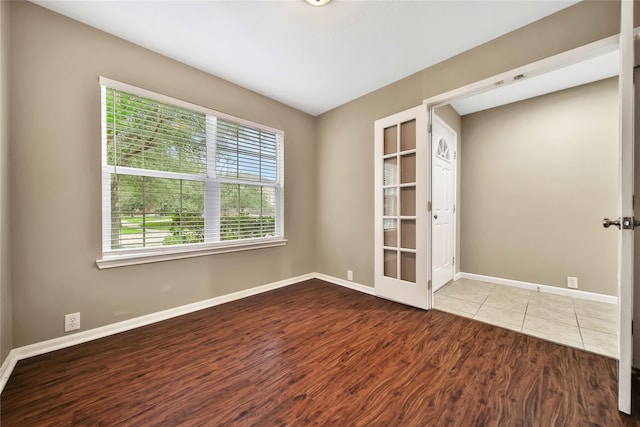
pixel 457 276
pixel 7 368
pixel 126 325
pixel 54 344
pixel 346 283
pixel 43 347
pixel 543 288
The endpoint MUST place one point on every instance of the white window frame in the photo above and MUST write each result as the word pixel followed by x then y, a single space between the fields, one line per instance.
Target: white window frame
pixel 212 245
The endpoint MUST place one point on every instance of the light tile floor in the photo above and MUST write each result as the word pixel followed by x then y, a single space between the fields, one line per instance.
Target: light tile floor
pixel 579 323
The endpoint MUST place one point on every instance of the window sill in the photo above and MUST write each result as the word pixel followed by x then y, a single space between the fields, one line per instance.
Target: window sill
pixel 122 260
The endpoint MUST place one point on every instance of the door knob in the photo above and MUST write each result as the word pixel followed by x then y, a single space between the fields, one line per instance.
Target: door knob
pixel 435 216
pixel 606 223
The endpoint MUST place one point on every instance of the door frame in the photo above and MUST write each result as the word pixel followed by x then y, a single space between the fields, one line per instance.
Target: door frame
pixel 454 190
pixel 572 56
pixel 626 236
pixel 600 47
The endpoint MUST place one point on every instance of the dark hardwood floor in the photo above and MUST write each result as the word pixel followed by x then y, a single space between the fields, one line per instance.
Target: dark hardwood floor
pixel 315 354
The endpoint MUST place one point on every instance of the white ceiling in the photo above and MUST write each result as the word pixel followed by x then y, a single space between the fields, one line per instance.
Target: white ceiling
pixel 311 58
pixel 590 70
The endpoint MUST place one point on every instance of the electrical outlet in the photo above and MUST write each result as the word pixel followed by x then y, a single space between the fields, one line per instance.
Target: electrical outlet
pixel 71 322
pixel 572 282
pixel 349 275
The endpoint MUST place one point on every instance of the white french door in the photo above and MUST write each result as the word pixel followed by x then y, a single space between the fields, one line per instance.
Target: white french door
pixel 402 261
pixel 443 152
pixel 626 222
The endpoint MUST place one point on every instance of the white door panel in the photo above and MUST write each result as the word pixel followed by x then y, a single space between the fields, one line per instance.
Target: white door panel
pixel 402 261
pixel 625 285
pixel 443 142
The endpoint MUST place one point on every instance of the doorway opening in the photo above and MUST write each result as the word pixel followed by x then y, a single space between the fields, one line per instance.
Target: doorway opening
pixel 533 169
pixel 624 42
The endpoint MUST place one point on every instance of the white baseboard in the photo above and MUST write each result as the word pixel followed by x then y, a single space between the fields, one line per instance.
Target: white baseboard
pixel 7 368
pixel 126 325
pixel 346 283
pixel 543 288
pixel 43 347
pixel 457 276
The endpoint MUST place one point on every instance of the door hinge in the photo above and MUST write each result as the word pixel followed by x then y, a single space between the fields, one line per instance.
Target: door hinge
pixel 454 260
pixel 428 206
pixel 455 155
pixel 454 208
pixel 430 128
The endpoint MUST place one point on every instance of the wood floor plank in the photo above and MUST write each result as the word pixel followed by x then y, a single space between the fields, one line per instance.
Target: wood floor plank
pixel 315 354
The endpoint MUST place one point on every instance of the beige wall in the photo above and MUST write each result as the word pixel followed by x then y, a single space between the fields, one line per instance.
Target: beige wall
pixel 451 117
pixel 344 227
pixel 538 176
pixel 55 180
pixel 5 250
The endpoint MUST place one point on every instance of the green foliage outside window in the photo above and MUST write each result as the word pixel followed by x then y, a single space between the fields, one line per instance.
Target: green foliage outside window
pixel 150 211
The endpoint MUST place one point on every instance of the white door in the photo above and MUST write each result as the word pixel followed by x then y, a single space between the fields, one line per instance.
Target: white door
pixel 625 222
pixel 402 261
pixel 443 152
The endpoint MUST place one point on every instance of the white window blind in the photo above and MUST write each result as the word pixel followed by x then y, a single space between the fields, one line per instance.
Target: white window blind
pixel 177 174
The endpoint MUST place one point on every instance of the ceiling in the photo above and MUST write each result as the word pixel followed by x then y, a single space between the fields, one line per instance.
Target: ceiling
pixel 311 58
pixel 587 71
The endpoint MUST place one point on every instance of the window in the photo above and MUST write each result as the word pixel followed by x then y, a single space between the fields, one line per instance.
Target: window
pixel 443 149
pixel 179 177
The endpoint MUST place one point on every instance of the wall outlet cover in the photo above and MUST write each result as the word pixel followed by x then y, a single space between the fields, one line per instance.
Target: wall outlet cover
pixel 71 322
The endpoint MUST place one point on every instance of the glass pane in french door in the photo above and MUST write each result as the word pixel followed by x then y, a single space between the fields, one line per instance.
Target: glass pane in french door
pixel 390 202
pixel 391 232
pixel 391 140
pixel 408 168
pixel 408 135
pixel 390 171
pixel 391 263
pixel 408 234
pixel 408 201
pixel 408 266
